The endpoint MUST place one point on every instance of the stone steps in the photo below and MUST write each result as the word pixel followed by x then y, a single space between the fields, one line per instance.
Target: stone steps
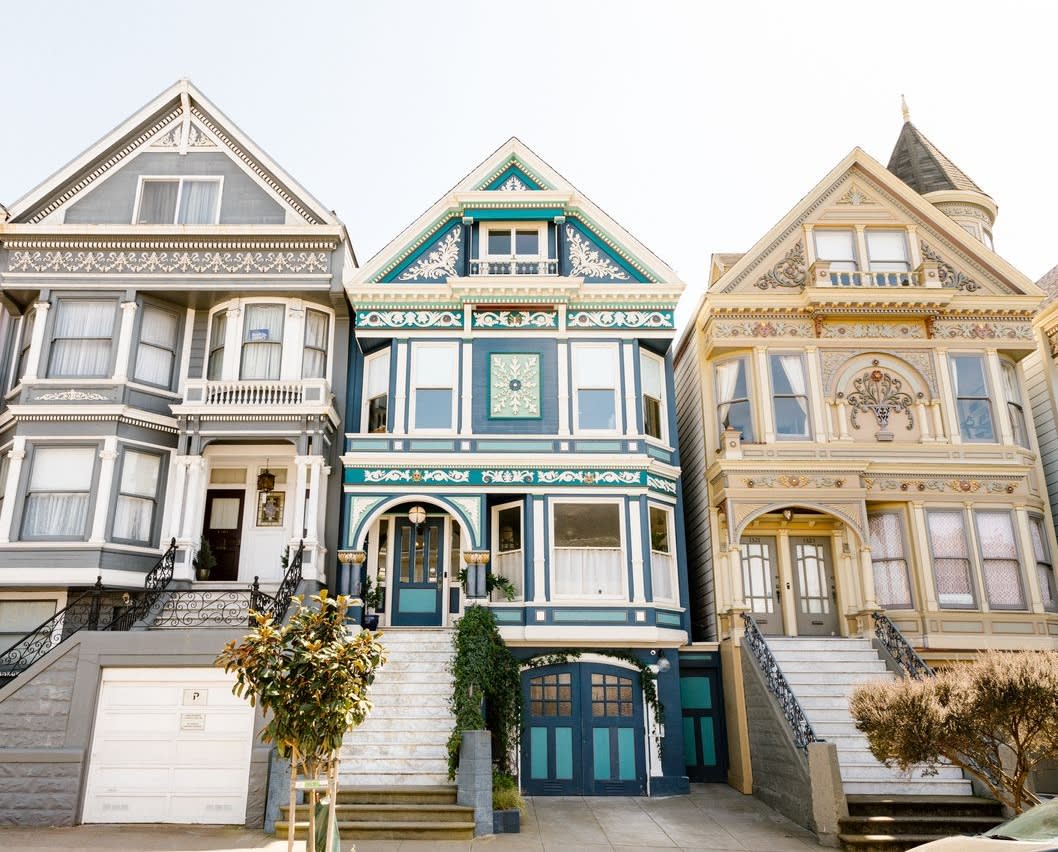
pixel 893 823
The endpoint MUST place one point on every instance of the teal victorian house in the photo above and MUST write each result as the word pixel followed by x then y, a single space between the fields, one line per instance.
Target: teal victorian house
pixel 512 412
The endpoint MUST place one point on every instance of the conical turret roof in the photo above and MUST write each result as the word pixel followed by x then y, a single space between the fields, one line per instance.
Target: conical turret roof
pixel 922 166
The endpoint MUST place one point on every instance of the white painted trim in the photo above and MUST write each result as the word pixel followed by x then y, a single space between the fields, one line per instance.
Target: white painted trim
pixel 616 500
pixel 663 441
pixel 185 354
pixel 635 547
pixel 495 538
pixel 181 180
pixel 511 227
pixel 366 396
pixel 466 427
pixel 453 347
pixel 615 380
pixel 670 516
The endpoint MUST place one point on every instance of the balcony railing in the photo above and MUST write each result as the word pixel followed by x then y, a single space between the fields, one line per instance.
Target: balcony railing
pixel 228 394
pixel 514 266
pixel 822 275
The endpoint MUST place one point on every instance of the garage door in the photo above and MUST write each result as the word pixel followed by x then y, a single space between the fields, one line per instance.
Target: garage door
pixel 170 745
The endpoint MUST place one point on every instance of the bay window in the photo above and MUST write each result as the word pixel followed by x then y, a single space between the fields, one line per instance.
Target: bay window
pixel 652 377
pixel 732 395
pixel 588 556
pixel 595 379
pixel 25 342
pixel 218 330
pixel 888 557
pixel 314 356
pixel 375 415
pixel 262 341
pixel 1015 407
pixel 508 559
pixel 662 560
pixel 178 201
pixel 156 353
pixel 950 552
pixel 82 339
pixel 1044 563
pixel 59 493
pixel 434 383
pixel 137 499
pixel 789 396
pixel 972 404
pixel 999 560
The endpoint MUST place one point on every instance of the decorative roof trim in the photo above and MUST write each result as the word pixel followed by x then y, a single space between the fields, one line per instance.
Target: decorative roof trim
pixel 514 161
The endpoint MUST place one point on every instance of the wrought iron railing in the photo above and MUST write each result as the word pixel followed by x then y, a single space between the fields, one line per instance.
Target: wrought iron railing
pixel 95 609
pixel 277 606
pixel 777 685
pixel 203 608
pixel 898 648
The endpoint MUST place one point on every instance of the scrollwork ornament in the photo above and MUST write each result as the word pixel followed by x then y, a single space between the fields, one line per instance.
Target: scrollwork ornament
pixel 441 262
pixel 589 262
pixel 879 393
pixel 789 273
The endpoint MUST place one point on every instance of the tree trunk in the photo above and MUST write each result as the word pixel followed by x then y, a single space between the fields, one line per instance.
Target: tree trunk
pixel 292 813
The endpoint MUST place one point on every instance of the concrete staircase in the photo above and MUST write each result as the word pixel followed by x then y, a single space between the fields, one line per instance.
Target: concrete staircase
pixel 896 823
pixel 823 673
pixel 403 741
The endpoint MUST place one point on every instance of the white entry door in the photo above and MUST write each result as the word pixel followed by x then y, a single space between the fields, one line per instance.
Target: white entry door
pixel 170 745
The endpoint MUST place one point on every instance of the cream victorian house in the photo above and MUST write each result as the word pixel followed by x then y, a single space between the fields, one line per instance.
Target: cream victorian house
pixel 855 441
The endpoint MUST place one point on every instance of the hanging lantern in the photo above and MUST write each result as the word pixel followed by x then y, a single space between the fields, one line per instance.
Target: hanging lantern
pixel 416 514
pixel 266 480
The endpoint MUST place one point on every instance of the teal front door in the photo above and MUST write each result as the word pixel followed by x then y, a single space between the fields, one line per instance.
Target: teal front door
pixel 704 747
pixel 418 573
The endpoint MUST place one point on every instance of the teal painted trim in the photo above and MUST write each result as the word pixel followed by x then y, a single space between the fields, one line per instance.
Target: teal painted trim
pixel 564 754
pixel 417 600
pixel 696 657
pixel 626 754
pixel 516 446
pixel 436 232
pixel 593 227
pixel 661 485
pixel 708 740
pixel 669 619
pixel 690 753
pixel 508 616
pixel 610 616
pixel 600 747
pixel 598 446
pixel 432 445
pixel 596 235
pixel 599 478
pixel 658 453
pixel 538 753
pixel 696 692
pixel 514 214
pixel 378 446
pixel 408 318
pixel 656 319
pixel 505 175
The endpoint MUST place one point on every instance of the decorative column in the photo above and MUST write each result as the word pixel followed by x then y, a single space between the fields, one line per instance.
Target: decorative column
pixel 232 343
pixel 301 484
pixel 293 341
pixel 921 550
pixel 194 504
pixel 867 579
pixel 1030 578
pixel 938 419
pixel 999 393
pixel 923 420
pixel 124 347
pixel 788 600
pixel 466 420
pixel 539 554
pixel 109 455
pixel 815 398
pixel 949 408
pixel 312 504
pixel 635 544
pixel 349 581
pixel 36 343
pixel 630 391
pixel 843 419
pixel 400 391
pixel 16 455
pixel 477 566
pixel 563 388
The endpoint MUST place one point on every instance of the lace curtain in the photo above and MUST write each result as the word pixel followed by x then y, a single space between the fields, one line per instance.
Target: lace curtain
pixel 661 575
pixel 262 348
pixel 82 337
pixel 891 581
pixel 951 559
pixel 1044 566
pixel 59 485
pixel 999 560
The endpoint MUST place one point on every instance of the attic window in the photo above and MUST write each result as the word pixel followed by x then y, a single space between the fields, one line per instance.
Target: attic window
pixel 178 201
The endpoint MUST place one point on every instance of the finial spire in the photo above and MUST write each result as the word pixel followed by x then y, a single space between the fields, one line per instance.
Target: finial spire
pixel 904 109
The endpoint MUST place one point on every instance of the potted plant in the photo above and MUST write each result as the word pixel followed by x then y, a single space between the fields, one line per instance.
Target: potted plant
pixel 204 561
pixel 372 595
pixel 507 804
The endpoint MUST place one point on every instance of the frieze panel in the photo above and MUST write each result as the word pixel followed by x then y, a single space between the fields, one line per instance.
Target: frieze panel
pixel 620 319
pixel 426 477
pixel 409 319
pixel 901 330
pixel 762 328
pixel 666 486
pixel 73 395
pixel 832 360
pixel 794 481
pixel 982 330
pixel 940 485
pixel 172 262
pixel 495 476
pixel 515 319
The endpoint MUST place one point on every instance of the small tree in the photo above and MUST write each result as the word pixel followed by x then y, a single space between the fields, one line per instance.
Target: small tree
pixel 311 677
pixel 996 717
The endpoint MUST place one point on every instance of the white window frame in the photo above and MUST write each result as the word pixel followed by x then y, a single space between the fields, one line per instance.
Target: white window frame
pixel 210 349
pixel 155 500
pixel 413 386
pixel 663 406
pixel 283 341
pixel 809 435
pixel 175 351
pixel 27 322
pixel 747 369
pixel 867 246
pixel 615 350
pixel 365 402
pixel 622 531
pixel 512 227
pixel 180 179
pixel 50 338
pixel 327 344
pixel 974 574
pixel 861 252
pixel 1048 559
pixel 1015 408
pixel 989 397
pixel 979 557
pixel 519 584
pixel 92 492
pixel 670 519
pixel 904 554
pixel 856 259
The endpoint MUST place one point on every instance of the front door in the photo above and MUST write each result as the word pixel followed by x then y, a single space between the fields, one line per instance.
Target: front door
pixel 813 572
pixel 704 748
pixel 418 573
pixel 760 582
pixel 223 531
pixel 584 732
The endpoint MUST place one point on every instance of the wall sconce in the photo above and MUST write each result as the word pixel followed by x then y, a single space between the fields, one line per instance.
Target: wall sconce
pixel 663 663
pixel 416 514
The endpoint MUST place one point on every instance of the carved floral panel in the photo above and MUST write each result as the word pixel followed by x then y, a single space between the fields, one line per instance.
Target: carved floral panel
pixel 514 385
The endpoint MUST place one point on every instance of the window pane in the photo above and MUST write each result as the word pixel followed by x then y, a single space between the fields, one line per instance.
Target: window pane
pixel 261 361
pixel 951 562
pixel 198 202
pixel 314 364
pixel 377 375
pixel 738 417
pixel 659 530
pixel 791 420
pixel 264 324
pixel 999 560
pixel 158 202
pixel 133 517
pixel 837 247
pixel 19 617
pixel 887 250
pixel 316 329
pixel 510 528
pixel 218 331
pixel 891 580
pixel 969 375
pixel 975 420
pixel 587 525
pixel 435 366
pixel 61 515
pixel 594 366
pixel 155 355
pixel 433 408
pixel 62 469
pixel 650 374
pixel 139 473
pixel 500 242
pixel 82 337
pixel 787 374
pixel 377 409
pixel 651 417
pixel 596 409
pixel 527 242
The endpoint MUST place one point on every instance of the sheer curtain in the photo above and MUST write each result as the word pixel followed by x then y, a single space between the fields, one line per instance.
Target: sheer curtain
pixel 890 565
pixel 588 571
pixel 262 349
pixel 661 575
pixel 1044 566
pixel 198 202
pixel 726 381
pixel 134 512
pixel 999 560
pixel 793 369
pixel 314 360
pixel 158 202
pixel 951 559
pixel 508 564
pixel 156 352
pixel 59 485
pixel 81 340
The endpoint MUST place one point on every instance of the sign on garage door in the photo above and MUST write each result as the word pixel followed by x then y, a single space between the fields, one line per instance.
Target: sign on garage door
pixel 169 745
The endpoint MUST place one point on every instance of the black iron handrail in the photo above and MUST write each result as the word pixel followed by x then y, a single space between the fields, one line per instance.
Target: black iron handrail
pixel 898 648
pixel 86 612
pixel 276 607
pixel 778 686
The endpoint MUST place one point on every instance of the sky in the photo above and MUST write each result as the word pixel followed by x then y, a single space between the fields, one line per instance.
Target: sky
pixel 696 125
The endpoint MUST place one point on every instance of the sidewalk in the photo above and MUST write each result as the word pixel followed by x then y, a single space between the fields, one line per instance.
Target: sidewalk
pixel 712 817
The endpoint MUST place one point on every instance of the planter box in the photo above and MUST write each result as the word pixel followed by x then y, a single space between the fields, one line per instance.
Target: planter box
pixel 507 822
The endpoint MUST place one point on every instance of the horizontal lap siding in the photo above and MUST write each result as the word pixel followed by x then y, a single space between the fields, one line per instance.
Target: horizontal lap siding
pixel 1043 416
pixel 695 493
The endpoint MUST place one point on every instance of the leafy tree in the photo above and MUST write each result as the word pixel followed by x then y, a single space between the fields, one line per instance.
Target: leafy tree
pixel 311 679
pixel 996 717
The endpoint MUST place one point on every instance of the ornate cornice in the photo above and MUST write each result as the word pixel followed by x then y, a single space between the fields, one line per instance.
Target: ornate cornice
pixel 620 319
pixel 170 262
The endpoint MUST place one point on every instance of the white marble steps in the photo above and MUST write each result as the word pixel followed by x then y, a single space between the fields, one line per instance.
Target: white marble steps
pixel 823 673
pixel 403 742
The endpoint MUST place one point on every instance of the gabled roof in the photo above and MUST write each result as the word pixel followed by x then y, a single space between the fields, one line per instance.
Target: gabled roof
pixel 181 102
pixel 1049 284
pixel 922 166
pixel 514 172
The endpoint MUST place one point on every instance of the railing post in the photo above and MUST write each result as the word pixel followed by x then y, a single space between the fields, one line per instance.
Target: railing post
pixel 93 613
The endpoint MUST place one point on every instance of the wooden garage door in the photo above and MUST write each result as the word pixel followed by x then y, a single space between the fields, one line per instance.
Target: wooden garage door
pixel 169 745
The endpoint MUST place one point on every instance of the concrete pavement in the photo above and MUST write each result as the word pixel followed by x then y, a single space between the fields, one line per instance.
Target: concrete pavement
pixel 713 818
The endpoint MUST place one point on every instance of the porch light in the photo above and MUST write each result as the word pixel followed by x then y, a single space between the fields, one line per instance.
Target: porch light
pixel 416 514
pixel 266 480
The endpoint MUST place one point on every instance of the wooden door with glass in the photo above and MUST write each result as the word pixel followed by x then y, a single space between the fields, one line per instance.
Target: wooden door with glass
pixel 760 582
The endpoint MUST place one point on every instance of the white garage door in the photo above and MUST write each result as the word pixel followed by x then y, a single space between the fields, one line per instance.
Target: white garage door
pixel 170 745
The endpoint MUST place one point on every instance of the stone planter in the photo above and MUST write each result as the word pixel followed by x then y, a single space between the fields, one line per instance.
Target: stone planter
pixel 507 822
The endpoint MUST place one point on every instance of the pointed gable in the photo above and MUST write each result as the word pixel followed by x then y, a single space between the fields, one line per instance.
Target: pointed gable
pixel 178 136
pixel 923 167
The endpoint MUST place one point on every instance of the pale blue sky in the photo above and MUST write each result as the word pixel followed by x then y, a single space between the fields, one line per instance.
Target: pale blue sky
pixel 697 125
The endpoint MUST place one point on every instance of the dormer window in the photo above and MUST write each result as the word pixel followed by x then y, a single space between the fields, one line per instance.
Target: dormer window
pixel 178 201
pixel 856 263
pixel 887 251
pixel 512 249
pixel 838 248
